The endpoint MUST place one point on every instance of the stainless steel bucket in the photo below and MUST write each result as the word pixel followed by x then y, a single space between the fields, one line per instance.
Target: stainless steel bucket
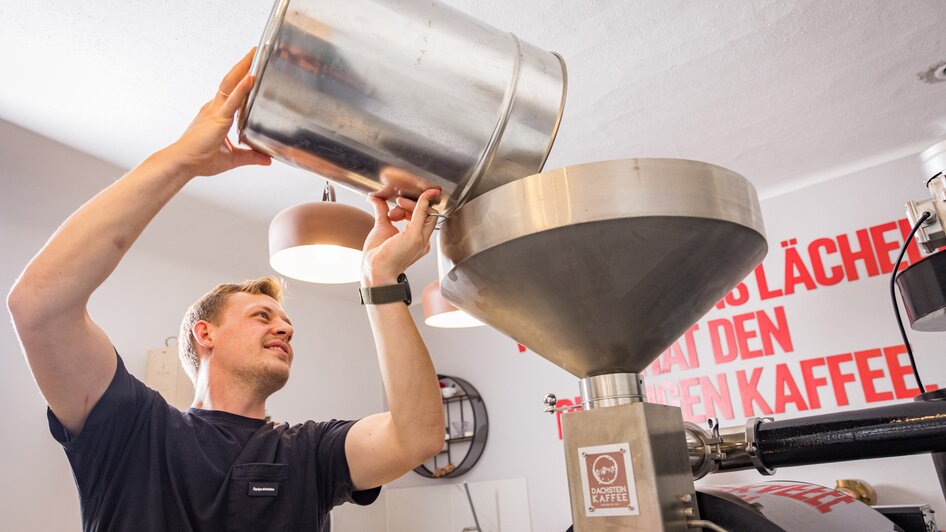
pixel 392 97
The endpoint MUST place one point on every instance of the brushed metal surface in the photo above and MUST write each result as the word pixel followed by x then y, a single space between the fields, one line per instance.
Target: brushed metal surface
pixel 611 390
pixel 391 97
pixel 600 267
pixel 659 457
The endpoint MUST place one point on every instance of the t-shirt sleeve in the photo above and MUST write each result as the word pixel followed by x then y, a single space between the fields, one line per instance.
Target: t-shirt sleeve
pixel 106 436
pixel 334 477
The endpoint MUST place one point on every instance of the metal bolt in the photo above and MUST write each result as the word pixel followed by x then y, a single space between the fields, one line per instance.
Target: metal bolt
pixel 550 400
pixel 622 450
pixel 688 511
pixel 583 453
pixel 591 509
pixel 687 499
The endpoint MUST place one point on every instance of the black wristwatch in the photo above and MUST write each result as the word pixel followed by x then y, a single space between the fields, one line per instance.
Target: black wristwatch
pixel 378 295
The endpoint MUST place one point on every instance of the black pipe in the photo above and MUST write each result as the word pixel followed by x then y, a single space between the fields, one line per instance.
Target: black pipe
pixel 896 430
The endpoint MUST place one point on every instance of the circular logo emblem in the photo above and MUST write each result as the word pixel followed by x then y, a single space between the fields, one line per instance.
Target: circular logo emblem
pixel 605 469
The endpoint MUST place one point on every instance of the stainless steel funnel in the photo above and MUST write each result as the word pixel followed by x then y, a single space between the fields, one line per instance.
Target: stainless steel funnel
pixel 600 267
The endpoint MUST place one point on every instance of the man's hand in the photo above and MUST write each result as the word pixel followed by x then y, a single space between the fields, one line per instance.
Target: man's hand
pixel 71 358
pixel 388 252
pixel 204 149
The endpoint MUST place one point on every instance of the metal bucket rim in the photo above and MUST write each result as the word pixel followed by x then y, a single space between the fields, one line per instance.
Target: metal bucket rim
pixel 261 59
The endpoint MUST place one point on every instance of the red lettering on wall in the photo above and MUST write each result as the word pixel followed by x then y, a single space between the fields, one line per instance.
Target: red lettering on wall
pixel 749 391
pixel 812 383
pixel 823 277
pixel 839 379
pixel 898 371
pixel 744 334
pixel 718 401
pixel 763 285
pixel 850 257
pixel 786 391
pixel 777 330
pixel 721 354
pixel 883 247
pixel 795 271
pixel 869 375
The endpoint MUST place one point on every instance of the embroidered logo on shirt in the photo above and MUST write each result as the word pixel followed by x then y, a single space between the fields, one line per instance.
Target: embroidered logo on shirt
pixel 263 489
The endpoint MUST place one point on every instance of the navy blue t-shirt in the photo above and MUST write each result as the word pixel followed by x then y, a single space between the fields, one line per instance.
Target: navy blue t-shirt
pixel 141 464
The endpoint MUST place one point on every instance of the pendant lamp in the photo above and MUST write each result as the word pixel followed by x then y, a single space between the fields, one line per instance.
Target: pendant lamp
pixel 438 312
pixel 319 242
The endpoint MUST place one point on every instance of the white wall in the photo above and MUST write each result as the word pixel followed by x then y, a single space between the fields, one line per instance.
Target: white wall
pixel 842 318
pixel 335 373
pixel 188 249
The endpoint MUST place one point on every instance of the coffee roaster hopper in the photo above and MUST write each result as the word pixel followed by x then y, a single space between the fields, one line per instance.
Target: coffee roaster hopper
pixel 598 268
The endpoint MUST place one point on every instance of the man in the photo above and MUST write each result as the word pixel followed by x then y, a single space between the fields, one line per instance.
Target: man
pixel 140 464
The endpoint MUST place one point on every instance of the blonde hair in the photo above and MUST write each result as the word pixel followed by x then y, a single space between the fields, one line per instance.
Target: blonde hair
pixel 209 308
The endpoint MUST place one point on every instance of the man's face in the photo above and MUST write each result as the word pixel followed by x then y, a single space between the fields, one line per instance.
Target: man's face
pixel 252 341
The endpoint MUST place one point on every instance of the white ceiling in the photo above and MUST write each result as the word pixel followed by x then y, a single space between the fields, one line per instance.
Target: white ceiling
pixel 783 92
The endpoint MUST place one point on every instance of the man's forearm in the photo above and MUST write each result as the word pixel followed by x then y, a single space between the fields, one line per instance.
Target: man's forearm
pixel 89 245
pixel 410 380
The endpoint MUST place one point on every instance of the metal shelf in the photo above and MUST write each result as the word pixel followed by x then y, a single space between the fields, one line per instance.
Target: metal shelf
pixel 474 444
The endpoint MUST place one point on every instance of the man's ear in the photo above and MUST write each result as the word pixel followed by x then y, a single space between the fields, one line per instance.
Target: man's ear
pixel 203 334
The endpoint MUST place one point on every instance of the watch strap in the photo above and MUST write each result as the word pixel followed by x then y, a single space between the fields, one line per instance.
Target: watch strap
pixel 379 295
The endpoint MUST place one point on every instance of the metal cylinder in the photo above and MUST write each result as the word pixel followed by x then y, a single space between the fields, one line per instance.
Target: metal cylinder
pixel 724 449
pixel 393 97
pixel 611 389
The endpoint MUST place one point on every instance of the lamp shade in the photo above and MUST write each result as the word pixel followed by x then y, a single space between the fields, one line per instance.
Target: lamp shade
pixel 319 242
pixel 923 288
pixel 438 312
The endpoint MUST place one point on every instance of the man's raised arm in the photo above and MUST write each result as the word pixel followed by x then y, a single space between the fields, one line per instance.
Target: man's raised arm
pixel 382 447
pixel 71 358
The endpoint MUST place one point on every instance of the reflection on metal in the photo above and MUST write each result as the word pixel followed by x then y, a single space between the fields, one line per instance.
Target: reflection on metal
pixel 781 506
pixel 392 97
pixel 599 267
pixel 611 389
pixel 728 449
pixel 858 489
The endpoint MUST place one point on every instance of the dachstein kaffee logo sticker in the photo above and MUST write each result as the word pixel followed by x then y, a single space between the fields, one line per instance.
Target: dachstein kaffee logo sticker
pixel 608 480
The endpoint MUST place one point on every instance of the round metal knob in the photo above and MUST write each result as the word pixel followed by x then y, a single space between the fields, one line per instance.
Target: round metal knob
pixel 551 400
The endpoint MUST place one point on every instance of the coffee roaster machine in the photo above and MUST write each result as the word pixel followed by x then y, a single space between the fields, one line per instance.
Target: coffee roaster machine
pixel 599 268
